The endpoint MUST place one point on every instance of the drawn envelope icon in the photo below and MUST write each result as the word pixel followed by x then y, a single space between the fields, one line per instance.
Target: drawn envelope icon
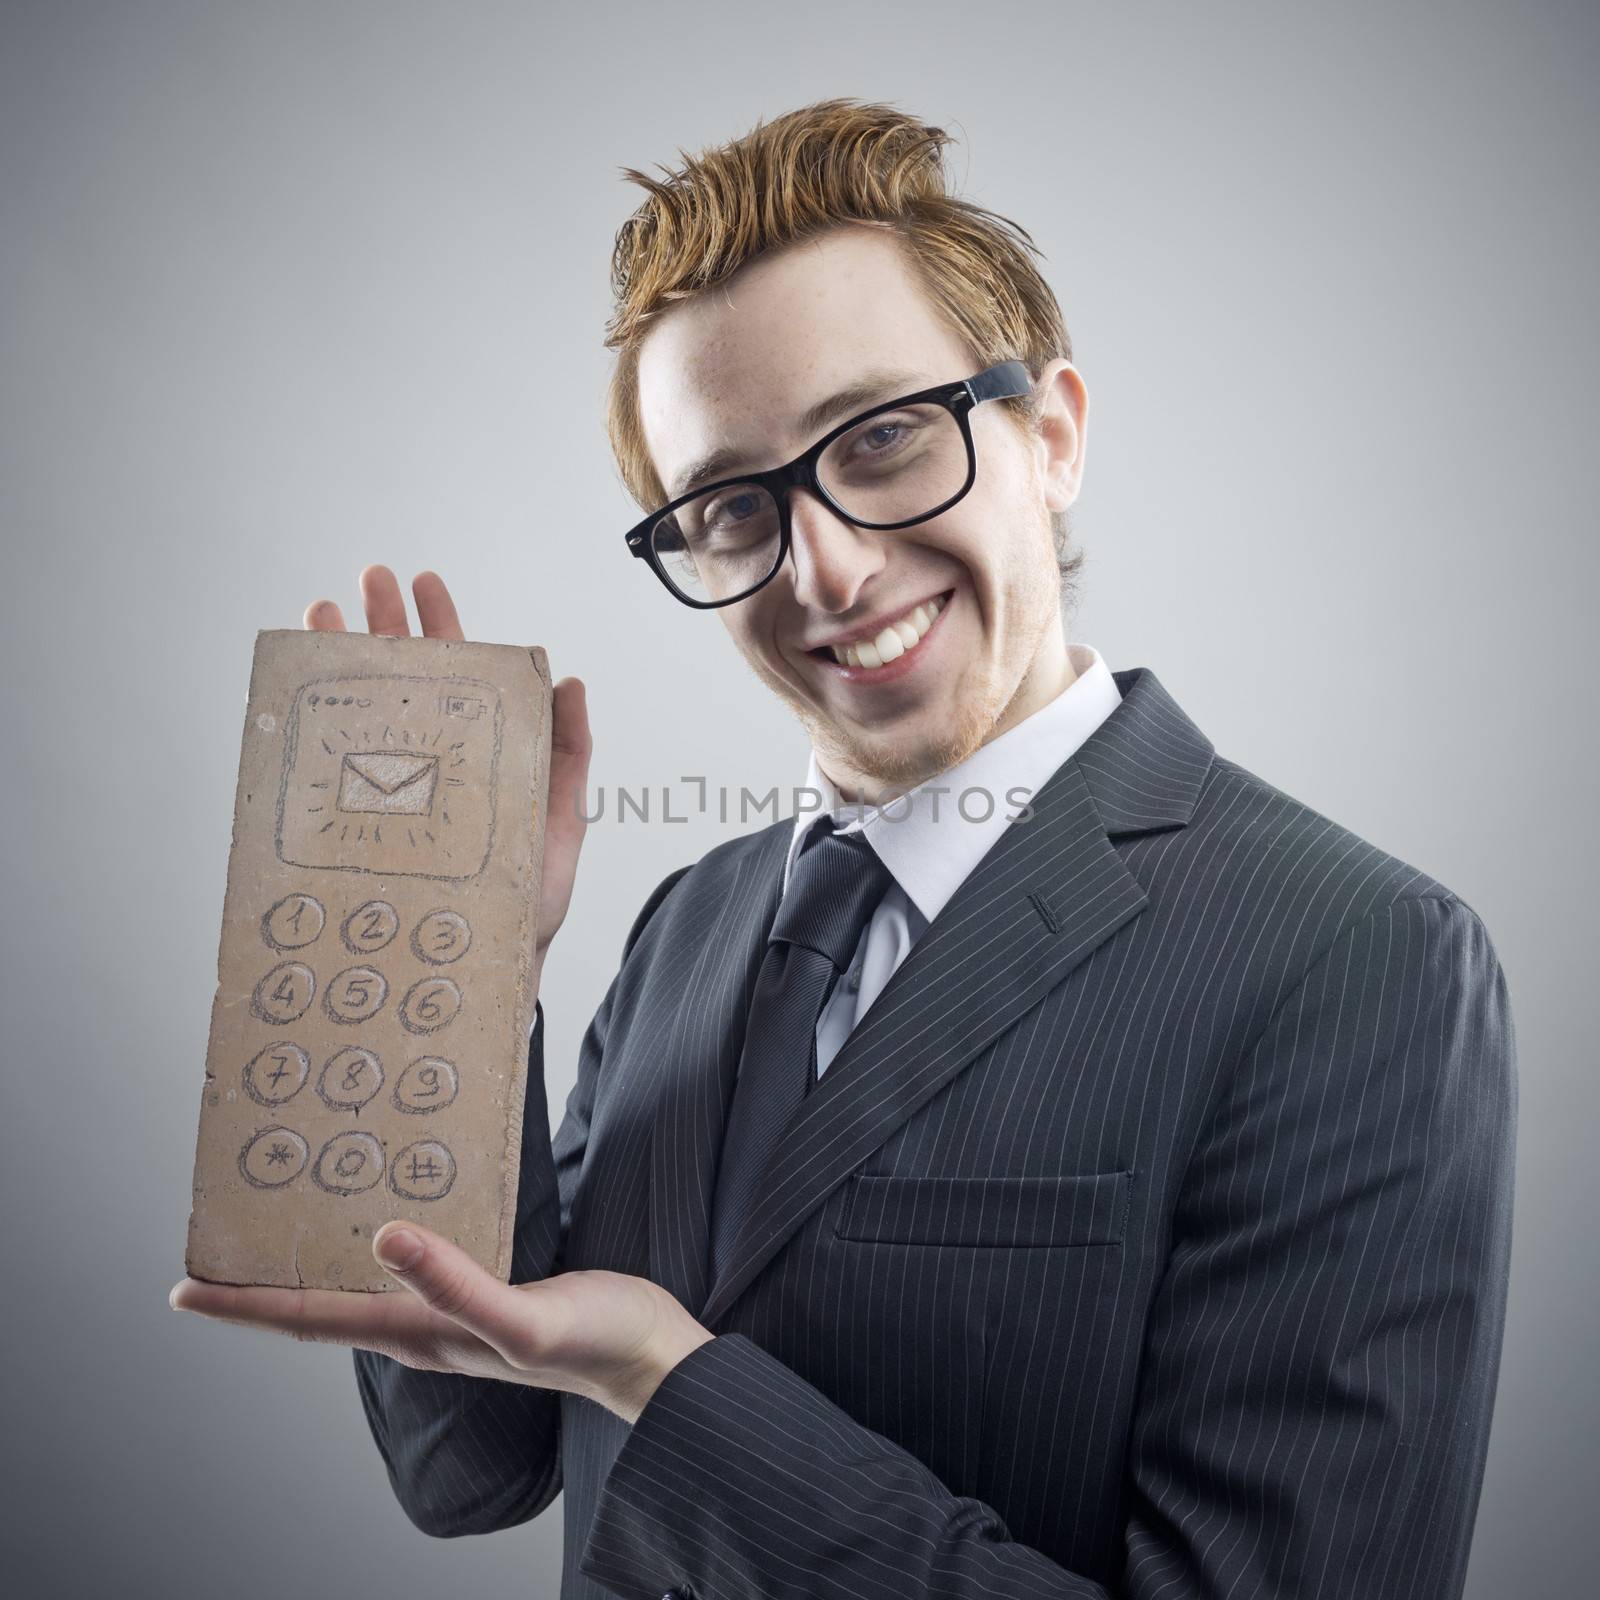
pixel 394 783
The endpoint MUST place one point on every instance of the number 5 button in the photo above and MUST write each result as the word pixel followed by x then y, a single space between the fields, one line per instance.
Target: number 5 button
pixel 356 994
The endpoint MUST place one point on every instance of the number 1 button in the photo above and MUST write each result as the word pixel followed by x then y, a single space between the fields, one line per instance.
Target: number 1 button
pixel 296 920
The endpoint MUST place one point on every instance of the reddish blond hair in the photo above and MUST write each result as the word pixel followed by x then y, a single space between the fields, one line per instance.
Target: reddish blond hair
pixel 835 163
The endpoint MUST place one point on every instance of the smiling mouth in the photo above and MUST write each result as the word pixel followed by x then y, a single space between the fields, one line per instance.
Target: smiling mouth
pixel 890 643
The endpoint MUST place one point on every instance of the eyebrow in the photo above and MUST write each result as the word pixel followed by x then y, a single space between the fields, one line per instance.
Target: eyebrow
pixel 881 384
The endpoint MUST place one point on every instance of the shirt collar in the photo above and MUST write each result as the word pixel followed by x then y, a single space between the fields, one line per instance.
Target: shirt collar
pixel 923 836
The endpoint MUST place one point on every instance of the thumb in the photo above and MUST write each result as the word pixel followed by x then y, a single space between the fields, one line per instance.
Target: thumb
pixel 447 1279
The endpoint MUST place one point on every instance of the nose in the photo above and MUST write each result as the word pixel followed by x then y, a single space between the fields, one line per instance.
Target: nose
pixel 831 558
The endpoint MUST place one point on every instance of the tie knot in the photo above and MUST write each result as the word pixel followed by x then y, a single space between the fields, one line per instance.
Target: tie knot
pixel 838 881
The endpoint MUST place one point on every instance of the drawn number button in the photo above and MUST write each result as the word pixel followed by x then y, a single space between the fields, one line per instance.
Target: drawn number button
pixel 296 920
pixel 356 994
pixel 429 1004
pixel 348 1163
pixel 423 1171
pixel 277 1073
pixel 425 1085
pixel 351 1077
pixel 441 937
pixel 284 993
pixel 369 928
pixel 273 1157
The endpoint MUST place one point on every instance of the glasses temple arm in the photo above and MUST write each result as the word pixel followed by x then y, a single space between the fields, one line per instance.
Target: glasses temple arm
pixel 1003 382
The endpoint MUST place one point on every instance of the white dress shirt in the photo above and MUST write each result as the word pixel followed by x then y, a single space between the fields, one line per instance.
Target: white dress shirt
pixel 927 841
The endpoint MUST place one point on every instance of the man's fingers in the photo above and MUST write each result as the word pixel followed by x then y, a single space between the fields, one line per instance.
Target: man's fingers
pixel 384 603
pixel 569 733
pixel 447 1280
pixel 389 1323
pixel 435 609
pixel 571 746
pixel 385 606
pixel 324 616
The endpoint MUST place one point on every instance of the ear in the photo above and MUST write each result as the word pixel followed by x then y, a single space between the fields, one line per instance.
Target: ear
pixel 1063 429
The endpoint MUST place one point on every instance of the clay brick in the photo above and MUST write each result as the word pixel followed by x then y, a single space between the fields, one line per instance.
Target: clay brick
pixel 369 1035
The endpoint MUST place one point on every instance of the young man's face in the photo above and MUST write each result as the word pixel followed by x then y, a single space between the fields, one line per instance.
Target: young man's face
pixel 733 368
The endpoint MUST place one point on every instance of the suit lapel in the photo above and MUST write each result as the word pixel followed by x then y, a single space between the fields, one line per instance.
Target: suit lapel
pixel 987 957
pixel 691 1083
pixel 1050 890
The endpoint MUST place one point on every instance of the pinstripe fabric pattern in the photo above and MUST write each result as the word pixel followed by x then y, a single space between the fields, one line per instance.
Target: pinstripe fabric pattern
pixel 1148 1237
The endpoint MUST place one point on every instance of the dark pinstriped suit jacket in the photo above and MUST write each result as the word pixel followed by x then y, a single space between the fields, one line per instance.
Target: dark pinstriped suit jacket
pixel 1148 1237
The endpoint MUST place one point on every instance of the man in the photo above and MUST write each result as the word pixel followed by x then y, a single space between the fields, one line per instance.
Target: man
pixel 1103 1191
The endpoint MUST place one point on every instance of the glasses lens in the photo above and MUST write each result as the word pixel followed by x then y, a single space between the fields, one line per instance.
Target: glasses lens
pixel 897 465
pixel 720 544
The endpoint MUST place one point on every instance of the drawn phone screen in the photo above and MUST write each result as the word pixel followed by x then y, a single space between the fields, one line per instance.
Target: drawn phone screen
pixel 368 1048
pixel 391 774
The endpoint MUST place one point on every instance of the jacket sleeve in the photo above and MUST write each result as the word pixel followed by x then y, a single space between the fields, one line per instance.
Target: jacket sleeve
pixel 469 1455
pixel 1320 1361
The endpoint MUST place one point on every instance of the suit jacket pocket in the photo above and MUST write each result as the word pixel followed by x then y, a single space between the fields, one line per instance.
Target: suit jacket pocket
pixel 1055 1209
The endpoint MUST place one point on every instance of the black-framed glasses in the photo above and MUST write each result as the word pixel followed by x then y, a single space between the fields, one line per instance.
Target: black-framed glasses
pixel 900 463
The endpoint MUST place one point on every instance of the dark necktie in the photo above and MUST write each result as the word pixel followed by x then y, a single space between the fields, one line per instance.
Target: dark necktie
pixel 837 883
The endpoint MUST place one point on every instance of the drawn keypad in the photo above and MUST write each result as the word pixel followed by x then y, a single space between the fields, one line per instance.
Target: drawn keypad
pixel 356 995
pixel 352 1078
pixel 430 1004
pixel 295 920
pixel 349 1162
pixel 423 1171
pixel 273 1158
pixel 441 937
pixel 370 928
pixel 428 1084
pixel 276 1074
pixel 285 993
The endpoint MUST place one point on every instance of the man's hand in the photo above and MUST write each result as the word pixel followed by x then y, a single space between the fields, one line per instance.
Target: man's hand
pixel 604 1335
pixel 570 743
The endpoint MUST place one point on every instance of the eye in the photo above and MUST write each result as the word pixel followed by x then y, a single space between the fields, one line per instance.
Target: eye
pixel 881 436
pixel 731 507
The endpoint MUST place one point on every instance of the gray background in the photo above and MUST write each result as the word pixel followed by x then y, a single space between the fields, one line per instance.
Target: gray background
pixel 291 288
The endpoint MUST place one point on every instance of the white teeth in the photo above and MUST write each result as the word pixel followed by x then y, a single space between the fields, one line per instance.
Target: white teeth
pixel 893 641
